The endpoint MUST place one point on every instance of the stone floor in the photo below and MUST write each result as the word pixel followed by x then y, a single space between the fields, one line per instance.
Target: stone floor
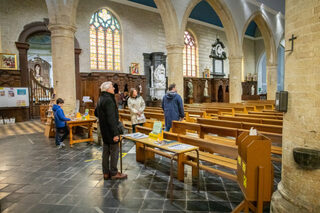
pixel 37 177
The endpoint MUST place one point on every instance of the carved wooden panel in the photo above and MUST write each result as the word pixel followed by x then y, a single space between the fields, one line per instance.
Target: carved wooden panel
pixel 10 78
pixel 90 83
pixel 198 89
pixel 220 90
pixel 246 90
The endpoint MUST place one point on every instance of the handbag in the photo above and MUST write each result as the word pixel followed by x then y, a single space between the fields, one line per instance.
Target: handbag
pixel 142 117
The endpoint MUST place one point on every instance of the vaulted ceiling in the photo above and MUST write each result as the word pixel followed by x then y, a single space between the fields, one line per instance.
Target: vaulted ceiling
pixel 204 12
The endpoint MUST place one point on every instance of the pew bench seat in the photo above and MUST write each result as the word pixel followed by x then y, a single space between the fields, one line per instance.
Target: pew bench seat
pixel 214 160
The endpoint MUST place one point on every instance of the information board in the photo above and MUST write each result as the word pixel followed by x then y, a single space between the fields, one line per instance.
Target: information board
pixel 14 97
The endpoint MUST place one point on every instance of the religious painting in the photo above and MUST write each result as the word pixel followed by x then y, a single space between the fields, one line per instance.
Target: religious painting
pixel 8 61
pixel 206 73
pixel 135 69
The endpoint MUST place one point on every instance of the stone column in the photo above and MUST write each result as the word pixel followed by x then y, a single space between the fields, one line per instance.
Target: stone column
pixel 299 189
pixel 272 74
pixel 175 67
pixel 63 64
pixel 235 89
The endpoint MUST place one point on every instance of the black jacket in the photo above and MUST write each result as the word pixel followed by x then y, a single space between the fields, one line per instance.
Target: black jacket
pixel 108 115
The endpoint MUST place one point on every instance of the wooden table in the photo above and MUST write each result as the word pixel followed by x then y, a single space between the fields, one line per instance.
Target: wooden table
pixel 148 145
pixel 80 122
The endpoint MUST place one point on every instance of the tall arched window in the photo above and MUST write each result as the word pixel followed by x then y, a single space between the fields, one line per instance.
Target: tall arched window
pixel 105 41
pixel 189 55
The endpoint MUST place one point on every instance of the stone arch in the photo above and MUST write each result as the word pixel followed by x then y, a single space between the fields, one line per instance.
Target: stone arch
pixel 268 38
pixel 169 18
pixel 23 46
pixel 227 20
pixel 38 27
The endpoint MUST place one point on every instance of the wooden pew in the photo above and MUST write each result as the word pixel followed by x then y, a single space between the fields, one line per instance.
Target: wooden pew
pixel 154 116
pixel 272 130
pixel 258 116
pixel 267 113
pixel 217 132
pixel 226 158
pixel 252 120
pixel 126 121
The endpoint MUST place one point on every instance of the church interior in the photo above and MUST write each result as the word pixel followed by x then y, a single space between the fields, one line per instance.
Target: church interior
pixel 246 71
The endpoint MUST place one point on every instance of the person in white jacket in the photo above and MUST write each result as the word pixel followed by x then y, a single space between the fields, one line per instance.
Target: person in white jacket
pixel 136 106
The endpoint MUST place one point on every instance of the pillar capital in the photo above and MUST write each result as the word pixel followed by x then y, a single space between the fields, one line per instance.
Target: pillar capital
pixel 62 30
pixel 21 45
pixel 175 48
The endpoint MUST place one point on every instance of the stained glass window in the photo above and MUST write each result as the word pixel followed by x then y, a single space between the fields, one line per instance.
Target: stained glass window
pixel 190 65
pixel 105 41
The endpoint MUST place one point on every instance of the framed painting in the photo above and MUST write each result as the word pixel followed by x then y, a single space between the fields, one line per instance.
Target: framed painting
pixel 206 73
pixel 135 69
pixel 8 61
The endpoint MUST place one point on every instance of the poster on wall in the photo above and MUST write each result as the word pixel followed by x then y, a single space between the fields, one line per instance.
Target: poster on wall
pixel 14 97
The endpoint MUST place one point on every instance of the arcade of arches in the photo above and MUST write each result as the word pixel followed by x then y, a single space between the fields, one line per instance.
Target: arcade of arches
pixel 231 51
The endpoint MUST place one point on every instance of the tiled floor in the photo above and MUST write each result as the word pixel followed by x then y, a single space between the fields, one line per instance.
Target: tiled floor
pixel 41 178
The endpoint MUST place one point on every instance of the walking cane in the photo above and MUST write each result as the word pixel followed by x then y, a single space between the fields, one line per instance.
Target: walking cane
pixel 121 154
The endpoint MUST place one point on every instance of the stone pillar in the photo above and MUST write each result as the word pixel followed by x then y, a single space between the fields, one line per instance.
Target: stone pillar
pixel 23 59
pixel 175 67
pixel 299 189
pixel 63 64
pixel 272 74
pixel 235 88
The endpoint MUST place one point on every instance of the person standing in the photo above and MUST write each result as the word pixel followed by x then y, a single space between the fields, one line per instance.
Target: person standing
pixel 107 112
pixel 62 130
pixel 136 106
pixel 172 107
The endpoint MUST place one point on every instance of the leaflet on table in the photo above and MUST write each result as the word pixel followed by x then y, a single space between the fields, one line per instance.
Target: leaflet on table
pixel 136 135
pixel 164 142
pixel 180 146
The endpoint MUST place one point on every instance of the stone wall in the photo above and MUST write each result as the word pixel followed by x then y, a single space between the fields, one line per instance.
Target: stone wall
pixel 299 189
pixel 146 26
pixel 142 32
pixel 14 15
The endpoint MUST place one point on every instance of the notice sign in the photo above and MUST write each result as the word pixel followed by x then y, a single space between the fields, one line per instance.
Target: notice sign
pixel 14 97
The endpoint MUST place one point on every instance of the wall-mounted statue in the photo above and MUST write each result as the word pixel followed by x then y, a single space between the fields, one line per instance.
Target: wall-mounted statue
pixel 205 91
pixel 159 77
pixel 252 90
pixel 190 89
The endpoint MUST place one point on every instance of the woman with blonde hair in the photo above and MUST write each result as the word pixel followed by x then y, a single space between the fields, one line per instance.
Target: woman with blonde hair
pixel 136 106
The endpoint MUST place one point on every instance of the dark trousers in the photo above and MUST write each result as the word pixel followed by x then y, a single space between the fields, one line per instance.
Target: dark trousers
pixel 61 134
pixel 134 127
pixel 110 156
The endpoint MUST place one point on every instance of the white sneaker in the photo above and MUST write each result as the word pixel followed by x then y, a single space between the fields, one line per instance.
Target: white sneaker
pixel 62 144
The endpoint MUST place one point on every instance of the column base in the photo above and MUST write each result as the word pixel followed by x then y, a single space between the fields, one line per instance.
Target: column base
pixel 281 203
pixel 190 100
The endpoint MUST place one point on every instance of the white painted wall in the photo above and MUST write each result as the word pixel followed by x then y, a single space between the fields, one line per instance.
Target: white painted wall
pixel 14 15
pixel 142 32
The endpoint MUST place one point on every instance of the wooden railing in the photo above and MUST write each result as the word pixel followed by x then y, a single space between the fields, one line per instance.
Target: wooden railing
pixel 39 95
